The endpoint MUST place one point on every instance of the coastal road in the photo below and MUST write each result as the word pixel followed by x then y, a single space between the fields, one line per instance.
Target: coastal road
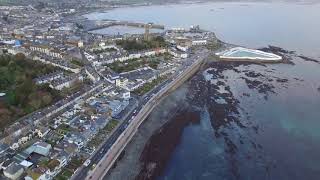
pixel 130 126
pixel 100 152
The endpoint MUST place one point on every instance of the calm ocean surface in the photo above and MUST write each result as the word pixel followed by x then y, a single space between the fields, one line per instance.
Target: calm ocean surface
pixel 288 121
pixel 289 25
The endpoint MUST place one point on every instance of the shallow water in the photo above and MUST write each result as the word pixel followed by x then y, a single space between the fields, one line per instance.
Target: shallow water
pixel 281 138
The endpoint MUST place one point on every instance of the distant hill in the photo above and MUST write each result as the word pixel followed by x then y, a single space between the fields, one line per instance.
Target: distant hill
pixel 78 3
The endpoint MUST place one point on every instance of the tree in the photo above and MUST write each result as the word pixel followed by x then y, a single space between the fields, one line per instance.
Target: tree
pixel 12 66
pixel 11 98
pixel 53 164
pixel 22 94
pixel 20 56
pixel 24 90
pixel 4 60
pixel 34 105
pixel 46 99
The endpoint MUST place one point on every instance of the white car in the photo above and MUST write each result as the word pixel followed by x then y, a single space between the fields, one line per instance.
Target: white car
pixel 87 162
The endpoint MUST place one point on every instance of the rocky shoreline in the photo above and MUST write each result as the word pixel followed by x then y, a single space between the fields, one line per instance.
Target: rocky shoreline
pixel 309 59
pixel 287 55
pixel 162 143
pixel 129 166
pixel 223 107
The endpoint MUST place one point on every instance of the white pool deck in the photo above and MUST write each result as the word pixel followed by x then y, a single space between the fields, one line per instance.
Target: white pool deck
pixel 240 53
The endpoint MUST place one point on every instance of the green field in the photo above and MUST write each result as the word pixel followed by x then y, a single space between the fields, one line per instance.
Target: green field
pixel 133 64
pixel 149 86
pixel 100 137
pixel 138 45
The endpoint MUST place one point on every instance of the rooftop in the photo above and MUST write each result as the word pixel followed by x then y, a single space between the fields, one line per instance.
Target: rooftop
pixel 13 168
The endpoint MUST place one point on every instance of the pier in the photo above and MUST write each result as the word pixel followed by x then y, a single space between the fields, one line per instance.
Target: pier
pixel 108 23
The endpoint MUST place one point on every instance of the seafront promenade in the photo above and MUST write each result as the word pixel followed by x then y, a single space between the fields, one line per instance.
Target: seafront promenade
pixel 102 168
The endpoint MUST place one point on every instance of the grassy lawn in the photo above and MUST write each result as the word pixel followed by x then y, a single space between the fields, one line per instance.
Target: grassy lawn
pixel 214 45
pixel 75 163
pixel 149 86
pixel 68 171
pixel 99 51
pixel 64 175
pixel 110 126
pixel 133 64
pixel 138 45
pixel 100 137
pixel 77 62
pixel 64 129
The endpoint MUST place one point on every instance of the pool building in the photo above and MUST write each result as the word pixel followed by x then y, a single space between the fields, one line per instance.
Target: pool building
pixel 244 54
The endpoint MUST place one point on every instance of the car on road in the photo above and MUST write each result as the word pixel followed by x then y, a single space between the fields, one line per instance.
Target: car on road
pixel 87 162
pixel 93 166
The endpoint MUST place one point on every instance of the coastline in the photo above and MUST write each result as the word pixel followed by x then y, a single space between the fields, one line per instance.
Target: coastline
pixel 158 150
pixel 214 117
pixel 261 87
pixel 141 160
pixel 106 9
pixel 129 166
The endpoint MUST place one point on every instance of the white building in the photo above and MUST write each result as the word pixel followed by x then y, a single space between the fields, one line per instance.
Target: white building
pixel 199 42
pixel 46 51
pixel 66 82
pixel 134 56
pixel 75 70
pixel 122 82
pixel 177 54
pixel 49 77
pixel 183 48
pixel 150 53
pixel 80 44
pixel 126 95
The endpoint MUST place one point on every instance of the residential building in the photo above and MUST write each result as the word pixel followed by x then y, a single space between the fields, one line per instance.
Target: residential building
pixel 13 171
pixel 199 42
pixel 177 54
pixel 41 148
pixel 47 51
pixel 121 82
pixel 49 77
pixel 92 74
pixel 66 82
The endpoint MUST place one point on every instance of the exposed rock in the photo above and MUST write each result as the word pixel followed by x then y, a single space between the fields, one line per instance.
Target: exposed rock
pixel 162 143
pixel 285 54
pixel 309 59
